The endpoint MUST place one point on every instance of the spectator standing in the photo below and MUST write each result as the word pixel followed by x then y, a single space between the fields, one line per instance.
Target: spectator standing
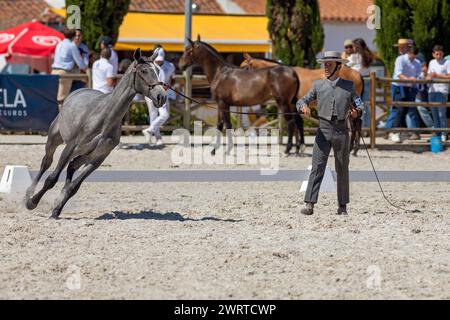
pixel 403 46
pixel 439 68
pixel 106 42
pixel 407 67
pixel 84 50
pixel 103 77
pixel 348 49
pixel 67 60
pixel 158 116
pixel 360 61
pixel 422 96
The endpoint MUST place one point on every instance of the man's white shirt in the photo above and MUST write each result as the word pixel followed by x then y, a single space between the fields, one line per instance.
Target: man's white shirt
pixel 101 71
pixel 440 67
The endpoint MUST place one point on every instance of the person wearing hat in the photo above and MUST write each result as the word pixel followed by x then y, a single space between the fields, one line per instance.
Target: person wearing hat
pixel 348 49
pixel 407 67
pixel 402 46
pixel 336 99
pixel 158 116
pixel 106 42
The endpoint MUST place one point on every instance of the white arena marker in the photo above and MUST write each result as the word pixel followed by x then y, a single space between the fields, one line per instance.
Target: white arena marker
pixel 15 180
pixel 328 182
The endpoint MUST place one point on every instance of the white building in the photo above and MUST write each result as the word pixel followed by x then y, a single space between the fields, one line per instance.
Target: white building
pixel 346 19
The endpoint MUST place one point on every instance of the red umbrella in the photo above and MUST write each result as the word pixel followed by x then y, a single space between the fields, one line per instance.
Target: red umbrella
pixel 30 43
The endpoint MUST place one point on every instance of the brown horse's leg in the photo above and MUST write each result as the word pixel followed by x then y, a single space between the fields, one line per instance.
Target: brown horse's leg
pixel 227 119
pixel 219 129
pixel 357 135
pixel 284 107
pixel 291 129
pixel 300 146
pixel 351 128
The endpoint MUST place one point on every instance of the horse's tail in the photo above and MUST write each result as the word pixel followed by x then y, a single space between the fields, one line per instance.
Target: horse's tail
pixel 297 89
pixel 362 83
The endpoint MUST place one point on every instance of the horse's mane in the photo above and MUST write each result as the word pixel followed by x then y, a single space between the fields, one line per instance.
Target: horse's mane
pixel 215 53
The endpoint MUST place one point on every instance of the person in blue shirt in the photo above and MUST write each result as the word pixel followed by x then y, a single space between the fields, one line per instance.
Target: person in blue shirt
pixel 84 49
pixel 84 52
pixel 407 67
pixel 402 46
pixel 67 60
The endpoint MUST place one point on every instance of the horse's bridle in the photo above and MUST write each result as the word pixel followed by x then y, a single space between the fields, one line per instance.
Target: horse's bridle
pixel 148 84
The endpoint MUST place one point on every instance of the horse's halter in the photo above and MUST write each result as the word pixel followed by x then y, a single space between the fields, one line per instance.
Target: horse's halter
pixel 148 84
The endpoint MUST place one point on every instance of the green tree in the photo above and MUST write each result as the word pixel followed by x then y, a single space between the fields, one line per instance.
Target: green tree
pixel 100 18
pixel 295 30
pixel 396 23
pixel 431 24
pixel 427 22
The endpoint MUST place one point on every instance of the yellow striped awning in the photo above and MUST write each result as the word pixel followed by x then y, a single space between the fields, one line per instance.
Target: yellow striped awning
pixel 227 33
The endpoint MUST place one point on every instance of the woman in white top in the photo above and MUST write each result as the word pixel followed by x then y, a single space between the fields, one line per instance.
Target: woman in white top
pixel 103 76
pixel 360 61
pixel 439 68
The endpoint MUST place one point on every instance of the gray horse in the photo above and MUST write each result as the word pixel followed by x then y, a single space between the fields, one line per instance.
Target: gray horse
pixel 89 124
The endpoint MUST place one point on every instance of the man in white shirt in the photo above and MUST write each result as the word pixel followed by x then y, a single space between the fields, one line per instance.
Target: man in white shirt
pixel 439 68
pixel 159 116
pixel 103 76
pixel 106 42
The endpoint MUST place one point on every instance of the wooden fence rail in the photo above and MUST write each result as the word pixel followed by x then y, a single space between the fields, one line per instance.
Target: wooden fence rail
pixel 383 83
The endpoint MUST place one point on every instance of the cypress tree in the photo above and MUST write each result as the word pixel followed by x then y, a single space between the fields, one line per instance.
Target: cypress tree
pixel 295 30
pixel 431 24
pixel 100 18
pixel 396 23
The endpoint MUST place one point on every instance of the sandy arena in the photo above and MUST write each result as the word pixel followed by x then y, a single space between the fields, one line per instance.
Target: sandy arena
pixel 235 240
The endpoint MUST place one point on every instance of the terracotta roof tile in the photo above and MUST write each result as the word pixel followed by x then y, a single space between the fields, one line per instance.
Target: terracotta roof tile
pixel 252 6
pixel 173 6
pixel 330 10
pixel 344 10
pixel 15 12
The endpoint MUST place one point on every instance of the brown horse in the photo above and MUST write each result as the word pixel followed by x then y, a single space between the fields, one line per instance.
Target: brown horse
pixel 307 77
pixel 232 86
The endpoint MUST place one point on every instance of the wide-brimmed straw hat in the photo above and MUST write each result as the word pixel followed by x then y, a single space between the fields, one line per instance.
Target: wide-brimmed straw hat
pixel 348 42
pixel 332 56
pixel 403 42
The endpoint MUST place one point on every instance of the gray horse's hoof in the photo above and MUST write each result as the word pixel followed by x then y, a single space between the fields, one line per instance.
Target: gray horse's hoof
pixel 54 215
pixel 30 204
pixel 213 152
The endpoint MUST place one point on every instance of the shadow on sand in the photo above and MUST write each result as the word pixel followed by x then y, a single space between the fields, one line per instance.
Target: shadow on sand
pixel 152 215
pixel 139 146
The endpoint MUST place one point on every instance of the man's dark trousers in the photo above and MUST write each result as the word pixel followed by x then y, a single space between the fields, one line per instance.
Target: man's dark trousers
pixel 331 134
